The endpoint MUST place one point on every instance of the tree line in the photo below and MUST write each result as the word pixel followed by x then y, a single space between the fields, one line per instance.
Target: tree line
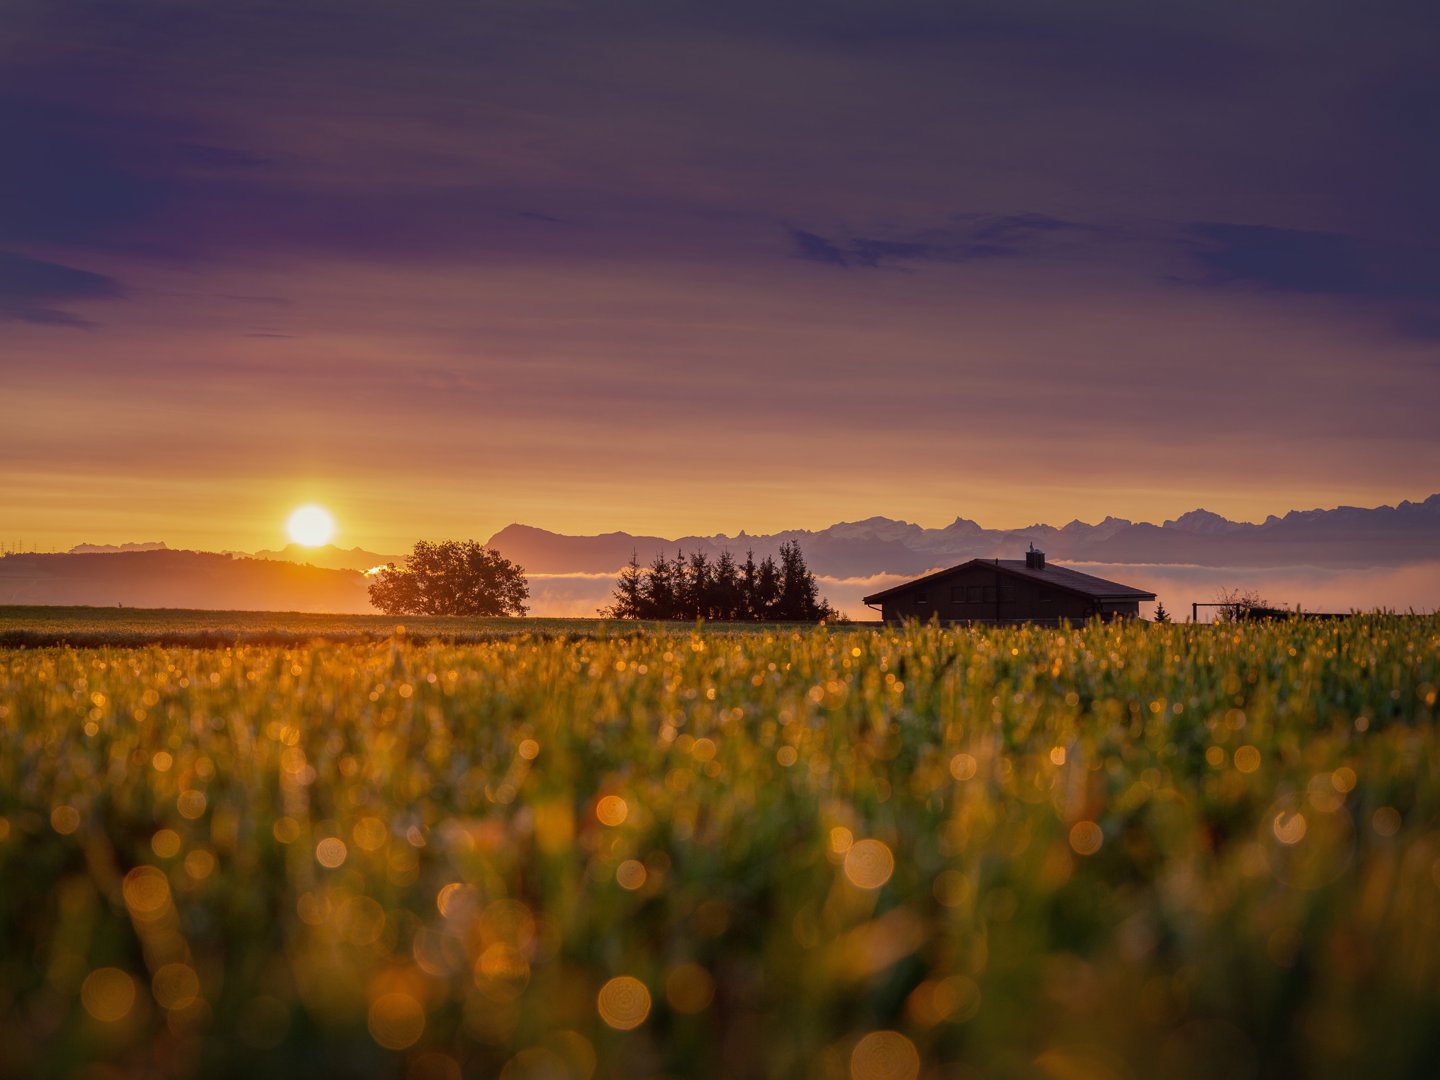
pixel 693 587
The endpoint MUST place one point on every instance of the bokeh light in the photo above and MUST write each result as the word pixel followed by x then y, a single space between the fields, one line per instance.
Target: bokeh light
pixel 623 1002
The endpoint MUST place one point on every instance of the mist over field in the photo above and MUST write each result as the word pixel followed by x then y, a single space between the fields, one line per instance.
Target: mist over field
pixel 1311 588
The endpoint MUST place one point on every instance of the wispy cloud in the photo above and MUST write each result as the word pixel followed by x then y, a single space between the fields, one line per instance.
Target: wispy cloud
pixel 967 238
pixel 30 287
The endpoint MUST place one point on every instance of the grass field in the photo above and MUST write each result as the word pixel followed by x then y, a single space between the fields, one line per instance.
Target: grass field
pixel 40 626
pixel 869 854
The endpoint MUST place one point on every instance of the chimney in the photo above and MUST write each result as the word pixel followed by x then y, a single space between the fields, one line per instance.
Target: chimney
pixel 1034 560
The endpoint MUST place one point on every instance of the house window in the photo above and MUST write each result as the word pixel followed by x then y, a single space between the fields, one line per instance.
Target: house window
pixel 1047 596
pixel 957 594
pixel 989 594
pixel 1007 594
pixel 973 594
pixel 922 598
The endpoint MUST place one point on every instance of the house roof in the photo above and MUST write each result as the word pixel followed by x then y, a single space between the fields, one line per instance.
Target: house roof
pixel 1059 577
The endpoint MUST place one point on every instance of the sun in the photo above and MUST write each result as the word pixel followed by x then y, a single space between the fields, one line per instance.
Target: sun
pixel 311 526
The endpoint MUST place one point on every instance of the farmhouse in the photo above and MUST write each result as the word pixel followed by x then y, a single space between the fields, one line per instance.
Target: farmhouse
pixel 996 591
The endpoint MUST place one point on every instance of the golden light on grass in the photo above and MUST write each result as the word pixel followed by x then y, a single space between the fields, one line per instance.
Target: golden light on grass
pixel 689 988
pixel 631 874
pixel 310 526
pixel 502 972
pixel 191 804
pixel 108 994
pixel 146 891
pixel 952 889
pixel 200 863
pixel 286 830
pixel 1247 758
pixel 330 852
pixel 787 756
pixel 536 1063
pixel 954 999
pixel 455 899
pixel 64 819
pixel 869 863
pixel 623 1003
pixel 175 986
pixel 433 1065
pixel 1086 837
pixel 612 810
pixel 370 834
pixel 396 1021
pixel 529 749
pixel 963 766
pixel 1289 828
pixel 1385 821
pixel 166 843
pixel 884 1055
pixel 841 839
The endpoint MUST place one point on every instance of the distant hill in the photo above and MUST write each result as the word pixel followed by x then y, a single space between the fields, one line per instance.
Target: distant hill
pixel 179 579
pixel 1345 537
pixel 329 556
pixel 115 549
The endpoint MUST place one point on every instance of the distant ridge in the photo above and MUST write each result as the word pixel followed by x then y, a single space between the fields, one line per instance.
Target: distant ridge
pixel 328 556
pixel 164 578
pixel 115 549
pixel 1345 537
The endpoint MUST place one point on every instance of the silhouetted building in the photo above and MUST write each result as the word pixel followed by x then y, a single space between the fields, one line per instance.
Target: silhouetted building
pixel 996 591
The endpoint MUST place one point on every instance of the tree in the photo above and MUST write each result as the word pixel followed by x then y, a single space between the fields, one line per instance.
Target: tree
pixel 699 586
pixel 727 601
pixel 453 577
pixel 766 598
pixel 659 592
pixel 629 593
pixel 799 593
pixel 694 587
pixel 1161 615
pixel 1236 604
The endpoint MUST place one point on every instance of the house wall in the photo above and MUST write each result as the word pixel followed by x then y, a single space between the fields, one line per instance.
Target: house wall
pixel 982 594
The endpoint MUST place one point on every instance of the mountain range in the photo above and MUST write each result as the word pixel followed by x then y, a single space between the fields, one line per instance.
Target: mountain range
pixel 1351 555
pixel 1345 537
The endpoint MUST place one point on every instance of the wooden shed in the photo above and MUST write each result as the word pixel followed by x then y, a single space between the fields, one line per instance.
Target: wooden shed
pixel 1001 591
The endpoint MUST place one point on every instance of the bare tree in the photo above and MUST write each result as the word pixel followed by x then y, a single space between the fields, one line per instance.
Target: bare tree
pixel 1237 604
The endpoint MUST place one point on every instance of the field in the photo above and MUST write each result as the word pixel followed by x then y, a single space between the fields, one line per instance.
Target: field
pixel 33 627
pixel 868 854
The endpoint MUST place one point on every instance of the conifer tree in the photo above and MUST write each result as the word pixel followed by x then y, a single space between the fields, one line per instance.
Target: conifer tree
pixel 629 595
pixel 658 591
pixel 725 601
pixel 698 585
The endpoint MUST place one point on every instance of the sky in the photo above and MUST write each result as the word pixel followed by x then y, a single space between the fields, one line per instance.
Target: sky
pixel 686 268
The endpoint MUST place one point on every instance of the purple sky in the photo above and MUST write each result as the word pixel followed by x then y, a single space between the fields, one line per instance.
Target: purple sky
pixel 688 267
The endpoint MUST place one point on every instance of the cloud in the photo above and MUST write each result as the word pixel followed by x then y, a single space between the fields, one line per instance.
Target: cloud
pixel 221 157
pixel 27 286
pixel 66 180
pixel 816 248
pixel 1399 281
pixel 1325 263
pixel 969 238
